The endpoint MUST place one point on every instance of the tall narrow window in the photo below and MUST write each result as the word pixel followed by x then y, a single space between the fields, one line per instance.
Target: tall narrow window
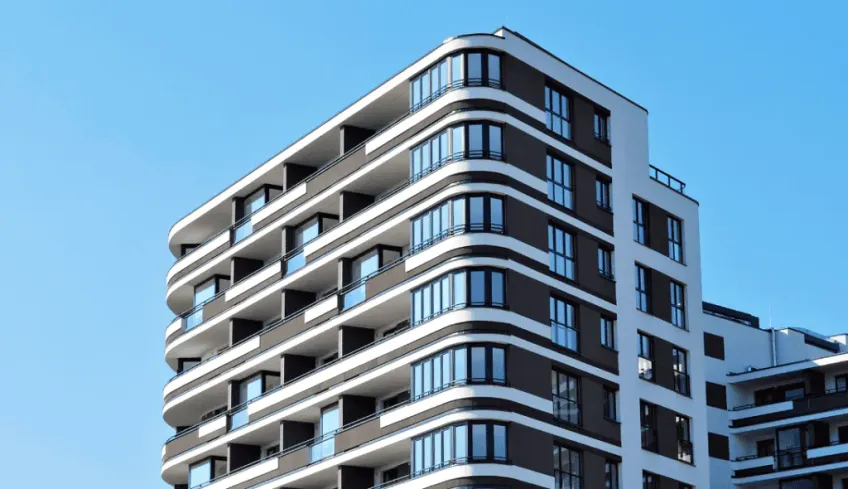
pixel 561 252
pixel 568 468
pixel 602 194
pixel 610 475
pixel 605 263
pixel 325 446
pixel 560 188
pixel 607 333
pixel 557 112
pixel 610 404
pixel 563 324
pixel 650 481
pixel 681 370
pixel 684 442
pixel 648 418
pixel 566 391
pixel 476 213
pixel 646 356
pixel 675 239
pixel 642 289
pixel 640 222
pixel 602 127
pixel 678 314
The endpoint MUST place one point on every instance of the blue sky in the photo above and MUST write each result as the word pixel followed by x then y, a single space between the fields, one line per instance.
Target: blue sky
pixel 118 119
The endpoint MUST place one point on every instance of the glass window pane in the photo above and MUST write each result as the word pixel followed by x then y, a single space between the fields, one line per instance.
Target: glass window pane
pixel 446 368
pixel 418 380
pixel 456 70
pixel 418 456
pixel 478 437
pixel 204 291
pixel 460 365
pixel 459 292
pixel 458 142
pixel 428 452
pixel 476 214
pixel 461 442
pixel 498 364
pixel 494 69
pixel 478 287
pixel 495 142
pixel 447 449
pixel 458 213
pixel 428 377
pixel 478 363
pixel 496 213
pixel 499 441
pixel 475 68
pixel 475 140
pixel 200 474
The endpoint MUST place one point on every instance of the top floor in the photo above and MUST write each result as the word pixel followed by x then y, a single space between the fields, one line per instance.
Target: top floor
pixel 503 67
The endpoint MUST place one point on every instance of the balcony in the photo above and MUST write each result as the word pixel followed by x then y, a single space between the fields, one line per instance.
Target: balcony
pixel 746 417
pixel 667 180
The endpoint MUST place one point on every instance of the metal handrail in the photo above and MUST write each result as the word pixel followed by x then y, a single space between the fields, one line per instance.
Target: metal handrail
pixel 342 291
pixel 665 179
pixel 326 436
pixel 456 157
pixel 323 168
pixel 828 392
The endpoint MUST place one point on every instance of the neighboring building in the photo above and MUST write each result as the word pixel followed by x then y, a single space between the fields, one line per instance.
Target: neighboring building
pixel 472 268
pixel 778 404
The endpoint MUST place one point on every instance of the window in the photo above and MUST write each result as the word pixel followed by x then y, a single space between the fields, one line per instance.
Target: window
pixel 646 356
pixel 675 239
pixel 204 292
pixel 563 330
pixel 602 127
pixel 561 252
pixel 841 382
pixel 678 316
pixel 459 443
pixel 325 445
pixel 206 471
pixel 681 376
pixel 463 288
pixel 486 364
pixel 568 468
pixel 640 222
pixel 467 213
pixel 648 418
pixel 607 333
pixel 557 112
pixel 642 289
pixel 395 400
pixel 765 448
pixel 610 404
pixel 610 475
pixel 684 442
pixel 566 391
pixel 602 194
pixel 605 263
pixel 650 481
pixel 364 267
pixel 473 140
pixel 560 182
pixel 249 205
pixel 455 71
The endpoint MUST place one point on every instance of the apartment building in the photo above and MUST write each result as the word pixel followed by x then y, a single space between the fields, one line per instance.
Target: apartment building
pixel 777 404
pixel 470 277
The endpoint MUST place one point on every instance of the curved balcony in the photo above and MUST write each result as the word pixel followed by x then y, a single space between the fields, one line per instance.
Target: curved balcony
pixel 376 109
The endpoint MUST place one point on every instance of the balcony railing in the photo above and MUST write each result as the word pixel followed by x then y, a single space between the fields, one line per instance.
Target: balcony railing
pixel 321 169
pixel 666 179
pixel 828 392
pixel 295 259
pixel 306 374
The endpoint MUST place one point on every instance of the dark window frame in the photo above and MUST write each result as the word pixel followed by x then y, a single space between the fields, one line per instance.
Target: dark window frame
pixel 608 332
pixel 603 195
pixel 462 80
pixel 681 377
pixel 574 479
pixel 488 367
pixel 570 309
pixel 643 289
pixel 646 353
pixel 566 185
pixel 552 114
pixel 611 475
pixel 610 403
pixel 648 423
pixel 487 226
pixel 640 221
pixel 683 429
pixel 677 304
pixel 467 299
pixel 605 263
pixel 560 398
pixel 675 239
pixel 601 127
pixel 568 255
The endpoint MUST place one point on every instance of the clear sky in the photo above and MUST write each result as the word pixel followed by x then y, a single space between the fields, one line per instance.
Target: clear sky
pixel 116 120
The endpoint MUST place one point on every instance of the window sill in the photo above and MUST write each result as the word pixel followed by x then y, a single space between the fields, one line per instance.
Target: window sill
pixel 604 208
pixel 603 140
pixel 610 348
